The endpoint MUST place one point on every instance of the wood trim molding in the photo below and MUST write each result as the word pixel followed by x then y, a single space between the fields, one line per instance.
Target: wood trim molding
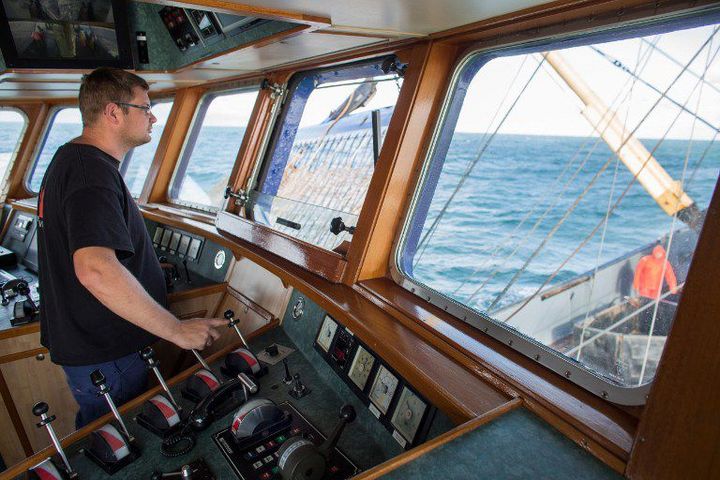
pixel 196 292
pixel 20 467
pixel 561 16
pixel 250 304
pixel 37 117
pixel 170 146
pixel 20 331
pixel 400 159
pixel 447 437
pixel 328 264
pixel 24 354
pixel 679 431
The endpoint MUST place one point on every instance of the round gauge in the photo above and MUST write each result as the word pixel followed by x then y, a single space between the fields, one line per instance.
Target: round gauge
pixel 383 389
pixel 360 367
pixel 327 333
pixel 408 414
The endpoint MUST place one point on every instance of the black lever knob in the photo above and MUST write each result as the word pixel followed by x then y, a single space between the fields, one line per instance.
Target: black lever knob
pixel 347 413
pixel 23 289
pixel 97 378
pixel 337 225
pixel 40 408
pixel 147 353
pixel 229 314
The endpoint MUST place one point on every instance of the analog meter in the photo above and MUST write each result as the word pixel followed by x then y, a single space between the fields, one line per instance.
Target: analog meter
pixel 408 414
pixel 327 333
pixel 360 367
pixel 383 389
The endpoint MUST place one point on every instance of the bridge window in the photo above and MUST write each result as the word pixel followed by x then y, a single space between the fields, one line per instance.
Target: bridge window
pixel 12 127
pixel 562 199
pixel 64 125
pixel 323 154
pixel 212 148
pixel 136 165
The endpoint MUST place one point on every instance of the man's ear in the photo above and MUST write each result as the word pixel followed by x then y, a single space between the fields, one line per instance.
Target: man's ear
pixel 112 113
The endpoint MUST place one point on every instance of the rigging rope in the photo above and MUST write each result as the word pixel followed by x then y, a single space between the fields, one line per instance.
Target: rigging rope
pixel 567 185
pixel 422 245
pixel 672 232
pixel 632 181
pixel 625 69
pixel 607 212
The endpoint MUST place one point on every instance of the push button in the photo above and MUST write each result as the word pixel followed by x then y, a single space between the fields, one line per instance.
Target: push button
pixel 257 465
pixel 268 459
pixel 260 449
pixel 280 439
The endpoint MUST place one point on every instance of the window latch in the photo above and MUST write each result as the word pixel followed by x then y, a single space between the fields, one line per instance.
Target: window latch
pixel 276 90
pixel 241 196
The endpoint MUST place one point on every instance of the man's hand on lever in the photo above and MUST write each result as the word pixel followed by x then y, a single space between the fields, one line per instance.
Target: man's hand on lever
pixel 196 333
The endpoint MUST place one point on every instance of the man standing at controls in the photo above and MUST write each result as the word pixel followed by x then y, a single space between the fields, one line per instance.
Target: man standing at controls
pixel 103 291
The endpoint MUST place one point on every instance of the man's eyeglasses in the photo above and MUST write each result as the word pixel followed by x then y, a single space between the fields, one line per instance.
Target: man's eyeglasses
pixel 144 108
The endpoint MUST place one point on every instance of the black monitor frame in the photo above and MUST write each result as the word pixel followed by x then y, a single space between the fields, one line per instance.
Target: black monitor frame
pixel 122 36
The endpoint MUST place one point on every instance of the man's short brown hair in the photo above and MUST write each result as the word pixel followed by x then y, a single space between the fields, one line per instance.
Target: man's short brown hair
pixel 106 85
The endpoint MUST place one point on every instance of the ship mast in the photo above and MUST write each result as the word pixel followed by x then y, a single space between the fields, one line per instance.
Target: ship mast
pixel 666 191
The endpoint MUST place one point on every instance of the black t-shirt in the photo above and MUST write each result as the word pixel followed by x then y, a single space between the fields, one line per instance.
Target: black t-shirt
pixel 84 202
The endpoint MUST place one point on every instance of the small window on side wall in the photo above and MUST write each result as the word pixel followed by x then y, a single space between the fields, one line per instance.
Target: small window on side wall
pixel 64 125
pixel 12 127
pixel 211 149
pixel 563 196
pixel 317 172
pixel 136 165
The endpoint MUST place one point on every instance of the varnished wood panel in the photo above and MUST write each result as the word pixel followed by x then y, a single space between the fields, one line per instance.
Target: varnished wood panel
pixel 15 344
pixel 33 381
pixel 261 286
pixel 12 448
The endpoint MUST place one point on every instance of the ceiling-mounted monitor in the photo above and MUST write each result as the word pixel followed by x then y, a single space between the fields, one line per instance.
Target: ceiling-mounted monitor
pixel 64 34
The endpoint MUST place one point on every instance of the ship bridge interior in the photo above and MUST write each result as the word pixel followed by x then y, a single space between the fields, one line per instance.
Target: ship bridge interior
pixel 449 239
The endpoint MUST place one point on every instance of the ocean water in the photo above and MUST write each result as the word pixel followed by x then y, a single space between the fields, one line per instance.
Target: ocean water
pixel 493 225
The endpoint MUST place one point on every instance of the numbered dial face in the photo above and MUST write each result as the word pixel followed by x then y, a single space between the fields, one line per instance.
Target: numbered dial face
pixel 361 366
pixel 383 389
pixel 327 333
pixel 408 414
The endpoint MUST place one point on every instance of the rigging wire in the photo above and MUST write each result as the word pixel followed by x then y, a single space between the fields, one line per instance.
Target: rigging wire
pixel 679 64
pixel 625 69
pixel 672 232
pixel 499 246
pixel 480 154
pixel 632 181
pixel 560 196
pixel 607 212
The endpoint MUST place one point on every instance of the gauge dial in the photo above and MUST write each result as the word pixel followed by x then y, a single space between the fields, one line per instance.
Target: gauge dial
pixel 408 414
pixel 360 367
pixel 327 333
pixel 383 389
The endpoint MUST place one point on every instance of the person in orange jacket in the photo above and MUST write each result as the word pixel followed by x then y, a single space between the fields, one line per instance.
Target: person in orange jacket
pixel 648 281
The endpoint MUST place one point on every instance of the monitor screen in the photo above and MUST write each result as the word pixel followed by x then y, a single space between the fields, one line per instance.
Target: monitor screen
pixel 64 34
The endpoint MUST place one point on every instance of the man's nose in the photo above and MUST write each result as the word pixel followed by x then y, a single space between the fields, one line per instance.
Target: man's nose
pixel 153 118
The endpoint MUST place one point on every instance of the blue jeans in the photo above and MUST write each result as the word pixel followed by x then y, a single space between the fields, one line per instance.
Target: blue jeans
pixel 126 377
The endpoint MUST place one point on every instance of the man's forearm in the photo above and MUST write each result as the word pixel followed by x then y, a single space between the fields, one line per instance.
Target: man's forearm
pixel 116 288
